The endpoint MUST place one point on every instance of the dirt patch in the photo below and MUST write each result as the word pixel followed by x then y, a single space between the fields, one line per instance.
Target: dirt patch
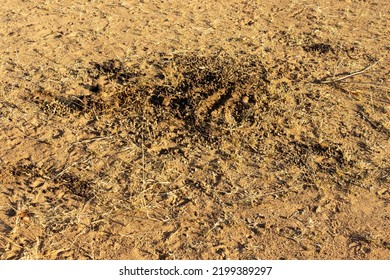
pixel 206 142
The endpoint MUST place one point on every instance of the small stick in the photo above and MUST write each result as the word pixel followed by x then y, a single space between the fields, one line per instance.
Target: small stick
pixel 10 241
pixel 333 80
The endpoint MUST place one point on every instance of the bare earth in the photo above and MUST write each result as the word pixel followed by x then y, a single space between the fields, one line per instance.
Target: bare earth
pixel 197 129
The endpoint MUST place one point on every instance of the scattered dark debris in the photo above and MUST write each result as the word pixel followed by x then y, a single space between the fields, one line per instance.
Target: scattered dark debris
pixel 11 212
pixel 76 186
pixel 319 48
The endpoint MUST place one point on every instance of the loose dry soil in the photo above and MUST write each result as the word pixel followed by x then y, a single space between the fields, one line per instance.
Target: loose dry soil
pixel 196 129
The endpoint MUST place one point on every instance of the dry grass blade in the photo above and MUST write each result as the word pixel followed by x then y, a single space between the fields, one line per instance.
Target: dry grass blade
pixel 326 80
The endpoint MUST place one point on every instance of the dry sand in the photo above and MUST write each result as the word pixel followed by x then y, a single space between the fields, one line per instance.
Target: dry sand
pixel 194 129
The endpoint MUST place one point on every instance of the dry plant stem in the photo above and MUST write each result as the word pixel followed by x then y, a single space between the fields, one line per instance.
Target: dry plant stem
pixel 336 68
pixel 10 241
pixel 333 80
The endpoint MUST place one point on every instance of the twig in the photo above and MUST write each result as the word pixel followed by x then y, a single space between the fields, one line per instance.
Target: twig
pixel 333 80
pixel 10 241
pixel 336 67
pixel 364 117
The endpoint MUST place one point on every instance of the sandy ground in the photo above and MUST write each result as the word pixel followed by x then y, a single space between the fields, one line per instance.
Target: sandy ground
pixel 194 129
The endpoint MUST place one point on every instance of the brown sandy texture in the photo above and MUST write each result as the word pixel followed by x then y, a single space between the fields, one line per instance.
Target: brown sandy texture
pixel 194 129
